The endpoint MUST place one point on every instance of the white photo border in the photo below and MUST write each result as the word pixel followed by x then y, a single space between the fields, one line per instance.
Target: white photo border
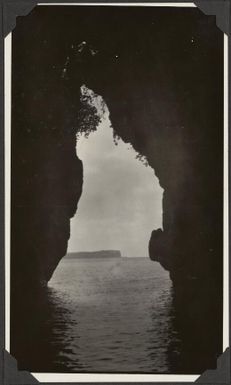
pixel 103 377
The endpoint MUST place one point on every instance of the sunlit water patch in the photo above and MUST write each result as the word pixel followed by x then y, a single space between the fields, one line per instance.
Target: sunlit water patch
pixel 118 315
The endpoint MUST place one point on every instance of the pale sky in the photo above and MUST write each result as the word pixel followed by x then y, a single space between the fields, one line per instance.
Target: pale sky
pixel 121 202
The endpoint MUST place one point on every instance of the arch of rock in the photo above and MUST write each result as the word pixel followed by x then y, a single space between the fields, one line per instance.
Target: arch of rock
pixel 169 116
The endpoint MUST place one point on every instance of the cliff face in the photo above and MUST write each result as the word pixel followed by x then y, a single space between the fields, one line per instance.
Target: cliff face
pixel 164 95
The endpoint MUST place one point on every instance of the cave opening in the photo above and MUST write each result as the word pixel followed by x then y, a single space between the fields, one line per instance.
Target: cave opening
pixel 121 201
pixel 116 300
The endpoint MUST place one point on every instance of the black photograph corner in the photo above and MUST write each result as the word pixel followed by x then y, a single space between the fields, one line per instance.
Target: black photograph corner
pixel 10 9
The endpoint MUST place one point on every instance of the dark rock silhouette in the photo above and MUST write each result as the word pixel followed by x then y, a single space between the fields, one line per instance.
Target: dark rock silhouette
pixel 164 93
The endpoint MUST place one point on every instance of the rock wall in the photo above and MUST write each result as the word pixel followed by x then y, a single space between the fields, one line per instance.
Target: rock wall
pixel 160 74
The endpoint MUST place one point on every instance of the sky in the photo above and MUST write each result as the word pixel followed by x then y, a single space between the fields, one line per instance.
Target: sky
pixel 121 202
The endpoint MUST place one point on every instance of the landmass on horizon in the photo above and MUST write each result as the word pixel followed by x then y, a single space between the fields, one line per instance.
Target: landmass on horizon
pixel 95 254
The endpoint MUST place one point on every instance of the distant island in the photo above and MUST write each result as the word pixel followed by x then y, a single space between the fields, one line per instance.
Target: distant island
pixel 95 254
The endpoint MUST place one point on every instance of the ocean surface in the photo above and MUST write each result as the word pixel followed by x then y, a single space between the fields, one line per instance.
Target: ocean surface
pixel 112 315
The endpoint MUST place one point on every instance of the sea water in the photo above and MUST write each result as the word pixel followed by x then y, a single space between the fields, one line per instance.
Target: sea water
pixel 112 315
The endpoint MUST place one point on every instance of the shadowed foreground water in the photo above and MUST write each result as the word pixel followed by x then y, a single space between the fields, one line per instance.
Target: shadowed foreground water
pixel 111 315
